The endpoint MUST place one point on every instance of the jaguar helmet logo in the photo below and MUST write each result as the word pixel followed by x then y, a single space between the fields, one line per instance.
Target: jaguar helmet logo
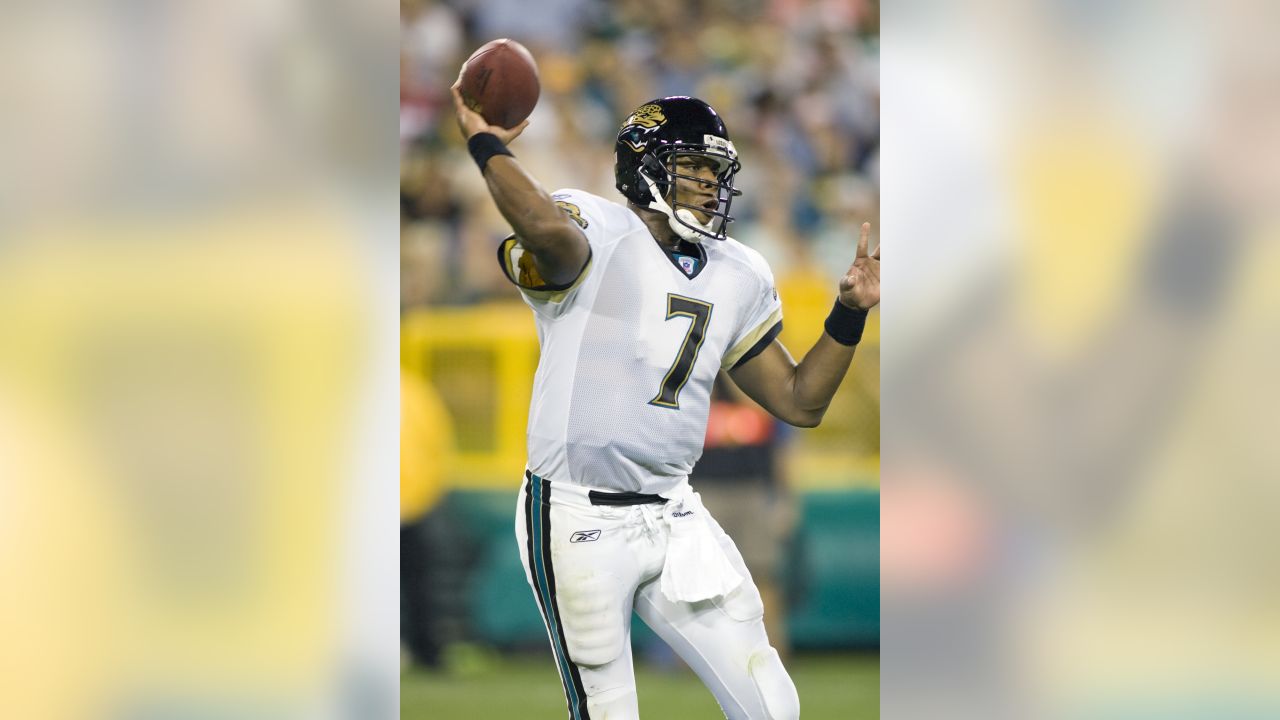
pixel 647 116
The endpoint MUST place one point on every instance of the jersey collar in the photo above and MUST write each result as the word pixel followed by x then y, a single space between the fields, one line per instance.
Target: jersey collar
pixel 688 257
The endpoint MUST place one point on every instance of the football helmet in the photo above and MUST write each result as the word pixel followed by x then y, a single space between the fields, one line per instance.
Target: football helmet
pixel 653 139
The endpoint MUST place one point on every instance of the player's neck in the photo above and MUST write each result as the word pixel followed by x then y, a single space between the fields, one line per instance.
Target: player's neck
pixel 658 225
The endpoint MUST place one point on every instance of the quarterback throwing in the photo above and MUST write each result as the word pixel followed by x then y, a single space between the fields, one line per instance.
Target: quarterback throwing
pixel 638 307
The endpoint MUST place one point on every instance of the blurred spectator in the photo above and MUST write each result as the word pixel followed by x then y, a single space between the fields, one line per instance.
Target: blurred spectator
pixel 426 445
pixel 430 44
pixel 741 482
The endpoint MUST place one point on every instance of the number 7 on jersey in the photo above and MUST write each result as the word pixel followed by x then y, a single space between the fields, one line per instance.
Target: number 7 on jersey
pixel 699 314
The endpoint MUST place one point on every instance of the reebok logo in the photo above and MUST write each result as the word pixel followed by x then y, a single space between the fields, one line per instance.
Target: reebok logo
pixel 585 536
pixel 678 513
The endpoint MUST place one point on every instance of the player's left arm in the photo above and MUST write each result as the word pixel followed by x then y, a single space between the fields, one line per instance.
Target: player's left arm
pixel 799 393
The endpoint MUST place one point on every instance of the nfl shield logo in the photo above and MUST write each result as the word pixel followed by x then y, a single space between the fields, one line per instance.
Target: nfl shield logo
pixel 686 264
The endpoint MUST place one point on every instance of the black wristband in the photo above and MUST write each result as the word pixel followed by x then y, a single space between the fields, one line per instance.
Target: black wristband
pixel 845 324
pixel 484 146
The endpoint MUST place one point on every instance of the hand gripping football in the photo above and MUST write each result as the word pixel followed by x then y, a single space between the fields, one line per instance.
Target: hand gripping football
pixel 500 81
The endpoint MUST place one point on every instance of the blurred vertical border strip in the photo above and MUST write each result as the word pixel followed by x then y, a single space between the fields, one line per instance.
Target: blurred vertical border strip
pixel 1079 475
pixel 198 313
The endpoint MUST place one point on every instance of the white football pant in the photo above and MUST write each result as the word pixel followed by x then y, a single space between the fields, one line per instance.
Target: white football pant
pixel 591 564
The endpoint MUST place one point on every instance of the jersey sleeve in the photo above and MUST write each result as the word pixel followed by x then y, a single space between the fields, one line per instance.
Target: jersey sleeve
pixel 763 319
pixel 518 265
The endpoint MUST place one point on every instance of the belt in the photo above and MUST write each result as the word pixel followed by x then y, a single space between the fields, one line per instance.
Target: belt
pixel 624 498
pixel 696 567
pixel 600 497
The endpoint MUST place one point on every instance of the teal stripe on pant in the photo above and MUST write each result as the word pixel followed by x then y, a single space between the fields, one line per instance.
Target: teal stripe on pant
pixel 544 578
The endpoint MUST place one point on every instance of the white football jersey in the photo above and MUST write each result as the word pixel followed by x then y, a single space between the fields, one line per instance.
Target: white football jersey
pixel 631 349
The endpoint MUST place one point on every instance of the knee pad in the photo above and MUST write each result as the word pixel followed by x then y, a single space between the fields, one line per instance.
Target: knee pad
pixel 591 616
pixel 773 684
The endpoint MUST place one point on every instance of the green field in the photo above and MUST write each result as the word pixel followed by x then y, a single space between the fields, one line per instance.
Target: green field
pixel 832 687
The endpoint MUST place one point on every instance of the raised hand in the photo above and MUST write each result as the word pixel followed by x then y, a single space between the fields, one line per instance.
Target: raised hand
pixel 860 287
pixel 472 122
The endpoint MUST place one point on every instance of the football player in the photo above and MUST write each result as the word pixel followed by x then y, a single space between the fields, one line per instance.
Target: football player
pixel 638 306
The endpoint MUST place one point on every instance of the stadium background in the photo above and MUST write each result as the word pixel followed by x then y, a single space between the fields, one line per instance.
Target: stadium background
pixel 798 84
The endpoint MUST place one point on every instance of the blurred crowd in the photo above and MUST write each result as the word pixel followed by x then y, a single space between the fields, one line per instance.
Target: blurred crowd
pixel 797 82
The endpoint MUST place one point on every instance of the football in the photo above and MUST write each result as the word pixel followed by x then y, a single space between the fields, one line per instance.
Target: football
pixel 500 81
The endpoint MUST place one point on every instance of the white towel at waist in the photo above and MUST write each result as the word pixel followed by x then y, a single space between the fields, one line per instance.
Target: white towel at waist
pixel 696 567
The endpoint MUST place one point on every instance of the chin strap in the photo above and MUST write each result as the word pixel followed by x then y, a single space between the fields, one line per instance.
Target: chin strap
pixel 684 229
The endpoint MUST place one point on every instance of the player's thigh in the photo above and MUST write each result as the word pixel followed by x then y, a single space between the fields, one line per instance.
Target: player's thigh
pixel 724 641
pixel 583 571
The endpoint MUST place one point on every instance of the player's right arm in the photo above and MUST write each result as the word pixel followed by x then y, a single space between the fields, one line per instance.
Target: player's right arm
pixel 558 246
pixel 800 393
